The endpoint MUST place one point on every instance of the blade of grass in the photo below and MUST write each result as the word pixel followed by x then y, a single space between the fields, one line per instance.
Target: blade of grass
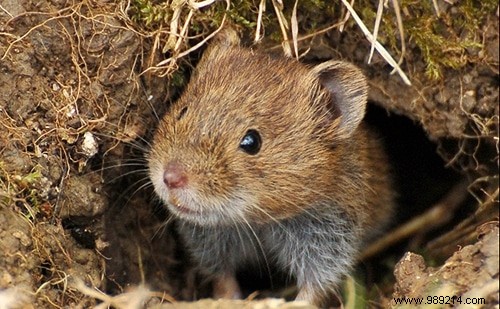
pixel 382 51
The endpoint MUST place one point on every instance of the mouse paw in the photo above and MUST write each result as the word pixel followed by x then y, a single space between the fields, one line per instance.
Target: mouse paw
pixel 226 286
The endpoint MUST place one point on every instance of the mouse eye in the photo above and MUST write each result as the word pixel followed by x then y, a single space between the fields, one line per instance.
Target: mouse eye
pixel 251 142
pixel 182 113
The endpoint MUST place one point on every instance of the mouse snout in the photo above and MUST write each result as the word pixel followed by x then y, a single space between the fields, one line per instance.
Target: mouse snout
pixel 175 176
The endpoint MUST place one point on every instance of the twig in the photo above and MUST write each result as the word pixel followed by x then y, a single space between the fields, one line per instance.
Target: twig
pixel 295 29
pixel 399 20
pixel 438 215
pixel 278 8
pixel 132 299
pixel 378 19
pixel 201 4
pixel 468 225
pixel 173 59
pixel 305 37
pixel 436 7
pixel 262 9
pixel 22 37
pixel 5 11
pixel 346 18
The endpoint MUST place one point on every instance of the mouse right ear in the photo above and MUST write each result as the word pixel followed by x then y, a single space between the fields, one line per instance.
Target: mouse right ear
pixel 225 39
pixel 348 91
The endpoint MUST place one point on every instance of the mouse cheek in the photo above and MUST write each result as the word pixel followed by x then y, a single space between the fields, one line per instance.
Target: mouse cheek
pixel 161 190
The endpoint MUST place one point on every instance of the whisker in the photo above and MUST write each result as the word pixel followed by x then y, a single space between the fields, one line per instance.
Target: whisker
pixel 108 167
pixel 260 246
pixel 126 138
pixel 138 171
pixel 137 142
pixel 127 191
pixel 163 226
pixel 147 183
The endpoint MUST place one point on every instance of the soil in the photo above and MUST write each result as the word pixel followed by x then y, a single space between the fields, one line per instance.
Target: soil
pixel 78 107
pixel 471 272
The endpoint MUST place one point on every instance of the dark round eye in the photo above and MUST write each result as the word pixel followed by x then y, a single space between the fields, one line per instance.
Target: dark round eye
pixel 251 142
pixel 182 113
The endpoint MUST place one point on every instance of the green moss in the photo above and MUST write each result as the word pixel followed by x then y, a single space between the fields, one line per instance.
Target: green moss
pixel 21 190
pixel 444 41
pixel 473 13
pixel 152 14
pixel 178 78
pixel 312 14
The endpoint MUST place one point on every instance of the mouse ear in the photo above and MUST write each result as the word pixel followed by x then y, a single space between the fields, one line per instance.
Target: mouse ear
pixel 348 91
pixel 225 39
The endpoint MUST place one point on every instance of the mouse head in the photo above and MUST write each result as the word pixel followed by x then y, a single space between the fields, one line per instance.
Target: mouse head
pixel 256 139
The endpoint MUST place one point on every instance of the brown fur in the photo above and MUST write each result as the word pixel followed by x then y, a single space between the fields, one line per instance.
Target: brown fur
pixel 315 157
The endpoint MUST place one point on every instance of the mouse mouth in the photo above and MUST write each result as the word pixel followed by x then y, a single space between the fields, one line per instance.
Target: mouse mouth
pixel 180 208
pixel 190 211
pixel 209 213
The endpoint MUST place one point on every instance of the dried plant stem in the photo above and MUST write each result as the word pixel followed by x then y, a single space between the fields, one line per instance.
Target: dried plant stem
pixel 378 19
pixel 258 30
pixel 295 29
pixel 278 8
pixel 399 21
pixel 346 18
pixel 468 226
pixel 436 216
pixel 383 52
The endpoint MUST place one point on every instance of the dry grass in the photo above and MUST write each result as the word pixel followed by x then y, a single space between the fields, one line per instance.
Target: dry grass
pixel 134 298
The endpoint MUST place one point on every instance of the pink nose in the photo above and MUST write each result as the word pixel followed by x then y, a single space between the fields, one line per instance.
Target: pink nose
pixel 174 176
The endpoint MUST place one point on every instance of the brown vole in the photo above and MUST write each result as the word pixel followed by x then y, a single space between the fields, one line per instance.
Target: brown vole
pixel 264 160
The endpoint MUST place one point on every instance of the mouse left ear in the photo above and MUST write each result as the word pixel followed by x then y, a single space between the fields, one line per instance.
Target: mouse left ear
pixel 226 39
pixel 348 91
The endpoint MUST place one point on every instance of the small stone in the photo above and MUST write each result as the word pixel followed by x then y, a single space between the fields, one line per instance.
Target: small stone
pixel 89 145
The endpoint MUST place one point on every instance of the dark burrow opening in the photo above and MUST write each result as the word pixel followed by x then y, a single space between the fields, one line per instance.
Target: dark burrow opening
pixel 419 173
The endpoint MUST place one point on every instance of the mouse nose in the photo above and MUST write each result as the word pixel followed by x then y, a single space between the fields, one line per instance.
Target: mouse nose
pixel 174 176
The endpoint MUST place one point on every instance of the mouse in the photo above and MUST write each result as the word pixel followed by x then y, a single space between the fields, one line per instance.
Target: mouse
pixel 264 160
